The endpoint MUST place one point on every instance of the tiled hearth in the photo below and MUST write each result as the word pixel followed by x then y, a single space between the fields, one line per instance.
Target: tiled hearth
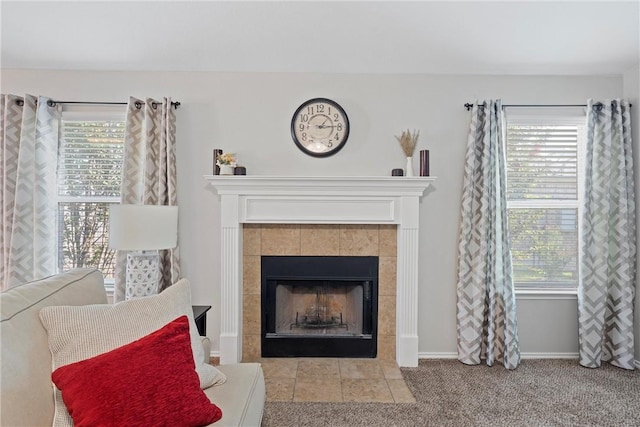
pixel 319 240
pixel 335 380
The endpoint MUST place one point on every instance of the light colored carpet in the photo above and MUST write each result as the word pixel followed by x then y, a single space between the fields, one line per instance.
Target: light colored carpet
pixel 448 393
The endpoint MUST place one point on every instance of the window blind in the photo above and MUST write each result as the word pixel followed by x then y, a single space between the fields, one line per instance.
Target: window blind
pixel 90 158
pixel 542 162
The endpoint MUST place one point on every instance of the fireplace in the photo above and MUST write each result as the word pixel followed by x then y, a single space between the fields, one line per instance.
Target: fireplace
pixel 319 306
pixel 318 200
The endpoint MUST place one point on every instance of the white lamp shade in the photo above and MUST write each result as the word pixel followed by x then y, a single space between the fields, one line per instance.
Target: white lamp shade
pixel 143 227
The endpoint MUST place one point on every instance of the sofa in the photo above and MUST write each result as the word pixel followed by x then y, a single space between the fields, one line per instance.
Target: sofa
pixel 26 389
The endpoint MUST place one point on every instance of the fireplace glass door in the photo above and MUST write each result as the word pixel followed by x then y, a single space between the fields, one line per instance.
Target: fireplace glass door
pixel 309 307
pixel 319 306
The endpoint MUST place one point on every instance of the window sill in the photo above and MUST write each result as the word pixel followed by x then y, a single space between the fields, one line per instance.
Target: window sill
pixel 547 294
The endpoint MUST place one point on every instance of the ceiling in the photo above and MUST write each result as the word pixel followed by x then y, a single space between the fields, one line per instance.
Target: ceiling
pixel 472 37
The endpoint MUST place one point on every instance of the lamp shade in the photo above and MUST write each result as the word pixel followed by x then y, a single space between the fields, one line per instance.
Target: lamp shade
pixel 143 227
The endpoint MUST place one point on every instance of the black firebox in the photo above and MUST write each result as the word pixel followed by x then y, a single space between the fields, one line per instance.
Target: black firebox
pixel 319 306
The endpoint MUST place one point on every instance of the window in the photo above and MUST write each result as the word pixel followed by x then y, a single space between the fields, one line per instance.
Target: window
pixel 90 157
pixel 544 176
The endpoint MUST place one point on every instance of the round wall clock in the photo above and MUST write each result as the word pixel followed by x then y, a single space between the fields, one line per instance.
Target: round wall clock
pixel 320 127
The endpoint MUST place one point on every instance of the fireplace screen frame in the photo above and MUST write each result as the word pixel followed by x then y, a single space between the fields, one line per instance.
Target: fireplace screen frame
pixel 350 270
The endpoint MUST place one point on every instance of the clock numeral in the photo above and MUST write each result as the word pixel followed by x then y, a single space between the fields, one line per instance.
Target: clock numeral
pixel 330 144
pixel 301 127
pixel 336 116
pixel 304 118
pixel 338 136
pixel 339 127
pixel 320 108
pixel 304 136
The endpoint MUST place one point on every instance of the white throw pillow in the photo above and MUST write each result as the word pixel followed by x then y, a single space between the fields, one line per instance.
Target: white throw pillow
pixel 79 332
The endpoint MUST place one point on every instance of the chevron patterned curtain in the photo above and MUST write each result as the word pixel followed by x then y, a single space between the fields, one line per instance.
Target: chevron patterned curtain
pixel 149 175
pixel 486 308
pixel 28 163
pixel 608 246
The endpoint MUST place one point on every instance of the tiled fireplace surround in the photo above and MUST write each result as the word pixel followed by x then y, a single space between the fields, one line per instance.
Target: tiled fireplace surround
pixel 266 215
pixel 319 240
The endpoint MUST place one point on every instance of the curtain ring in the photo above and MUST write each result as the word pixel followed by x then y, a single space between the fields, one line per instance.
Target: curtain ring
pixel 51 103
pixel 19 102
pixel 598 106
pixel 138 105
pixel 154 105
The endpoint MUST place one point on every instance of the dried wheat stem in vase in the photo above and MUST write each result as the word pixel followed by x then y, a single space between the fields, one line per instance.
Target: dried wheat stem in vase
pixel 408 142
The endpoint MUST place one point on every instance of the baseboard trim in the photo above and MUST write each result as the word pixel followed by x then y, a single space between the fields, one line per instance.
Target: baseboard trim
pixel 437 355
pixel 529 355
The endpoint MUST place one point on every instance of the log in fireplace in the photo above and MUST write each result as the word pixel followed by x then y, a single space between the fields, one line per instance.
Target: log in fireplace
pixel 319 306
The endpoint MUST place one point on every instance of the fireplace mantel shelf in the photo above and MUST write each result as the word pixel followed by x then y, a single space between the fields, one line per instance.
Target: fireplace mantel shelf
pixel 320 200
pixel 308 185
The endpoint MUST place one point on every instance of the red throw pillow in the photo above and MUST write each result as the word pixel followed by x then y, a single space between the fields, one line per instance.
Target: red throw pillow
pixel 149 382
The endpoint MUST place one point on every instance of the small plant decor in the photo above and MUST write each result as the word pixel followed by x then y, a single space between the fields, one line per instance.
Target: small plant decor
pixel 408 141
pixel 228 159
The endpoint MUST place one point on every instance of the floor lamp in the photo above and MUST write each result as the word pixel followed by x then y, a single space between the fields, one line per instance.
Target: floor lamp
pixel 143 230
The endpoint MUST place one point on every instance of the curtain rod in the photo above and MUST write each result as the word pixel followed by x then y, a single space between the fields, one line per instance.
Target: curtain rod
pixel 53 102
pixel 469 106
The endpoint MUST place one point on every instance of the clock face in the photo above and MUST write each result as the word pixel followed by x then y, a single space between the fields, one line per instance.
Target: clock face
pixel 320 127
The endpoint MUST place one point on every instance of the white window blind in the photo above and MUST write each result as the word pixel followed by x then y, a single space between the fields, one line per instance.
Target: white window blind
pixel 543 177
pixel 89 176
pixel 91 156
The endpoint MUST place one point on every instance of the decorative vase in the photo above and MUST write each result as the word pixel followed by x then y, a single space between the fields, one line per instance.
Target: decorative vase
pixel 226 170
pixel 409 168
pixel 216 153
pixel 424 162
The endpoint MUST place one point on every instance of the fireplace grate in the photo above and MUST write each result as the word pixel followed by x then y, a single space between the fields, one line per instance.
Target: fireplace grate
pixel 316 322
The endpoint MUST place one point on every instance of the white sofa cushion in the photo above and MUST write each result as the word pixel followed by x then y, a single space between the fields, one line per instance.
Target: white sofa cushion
pixel 79 332
pixel 242 397
pixel 27 398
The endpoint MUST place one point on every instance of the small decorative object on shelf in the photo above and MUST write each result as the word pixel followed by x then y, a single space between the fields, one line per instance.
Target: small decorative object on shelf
pixel 216 153
pixel 397 172
pixel 240 170
pixel 226 162
pixel 424 162
pixel 408 142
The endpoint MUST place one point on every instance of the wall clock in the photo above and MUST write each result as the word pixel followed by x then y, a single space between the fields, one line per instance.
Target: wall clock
pixel 320 127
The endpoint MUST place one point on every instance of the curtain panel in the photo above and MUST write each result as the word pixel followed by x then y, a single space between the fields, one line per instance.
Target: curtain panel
pixel 486 310
pixel 608 245
pixel 149 175
pixel 29 135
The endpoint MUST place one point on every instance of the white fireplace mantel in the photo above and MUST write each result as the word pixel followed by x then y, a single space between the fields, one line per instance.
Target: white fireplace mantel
pixel 320 200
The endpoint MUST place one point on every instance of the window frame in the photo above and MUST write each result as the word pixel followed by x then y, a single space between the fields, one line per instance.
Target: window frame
pixel 75 112
pixel 545 117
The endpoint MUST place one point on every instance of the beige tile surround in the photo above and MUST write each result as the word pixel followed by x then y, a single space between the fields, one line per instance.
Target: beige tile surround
pixel 330 240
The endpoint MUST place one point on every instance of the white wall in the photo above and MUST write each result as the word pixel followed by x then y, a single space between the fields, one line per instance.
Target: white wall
pixel 631 82
pixel 250 114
